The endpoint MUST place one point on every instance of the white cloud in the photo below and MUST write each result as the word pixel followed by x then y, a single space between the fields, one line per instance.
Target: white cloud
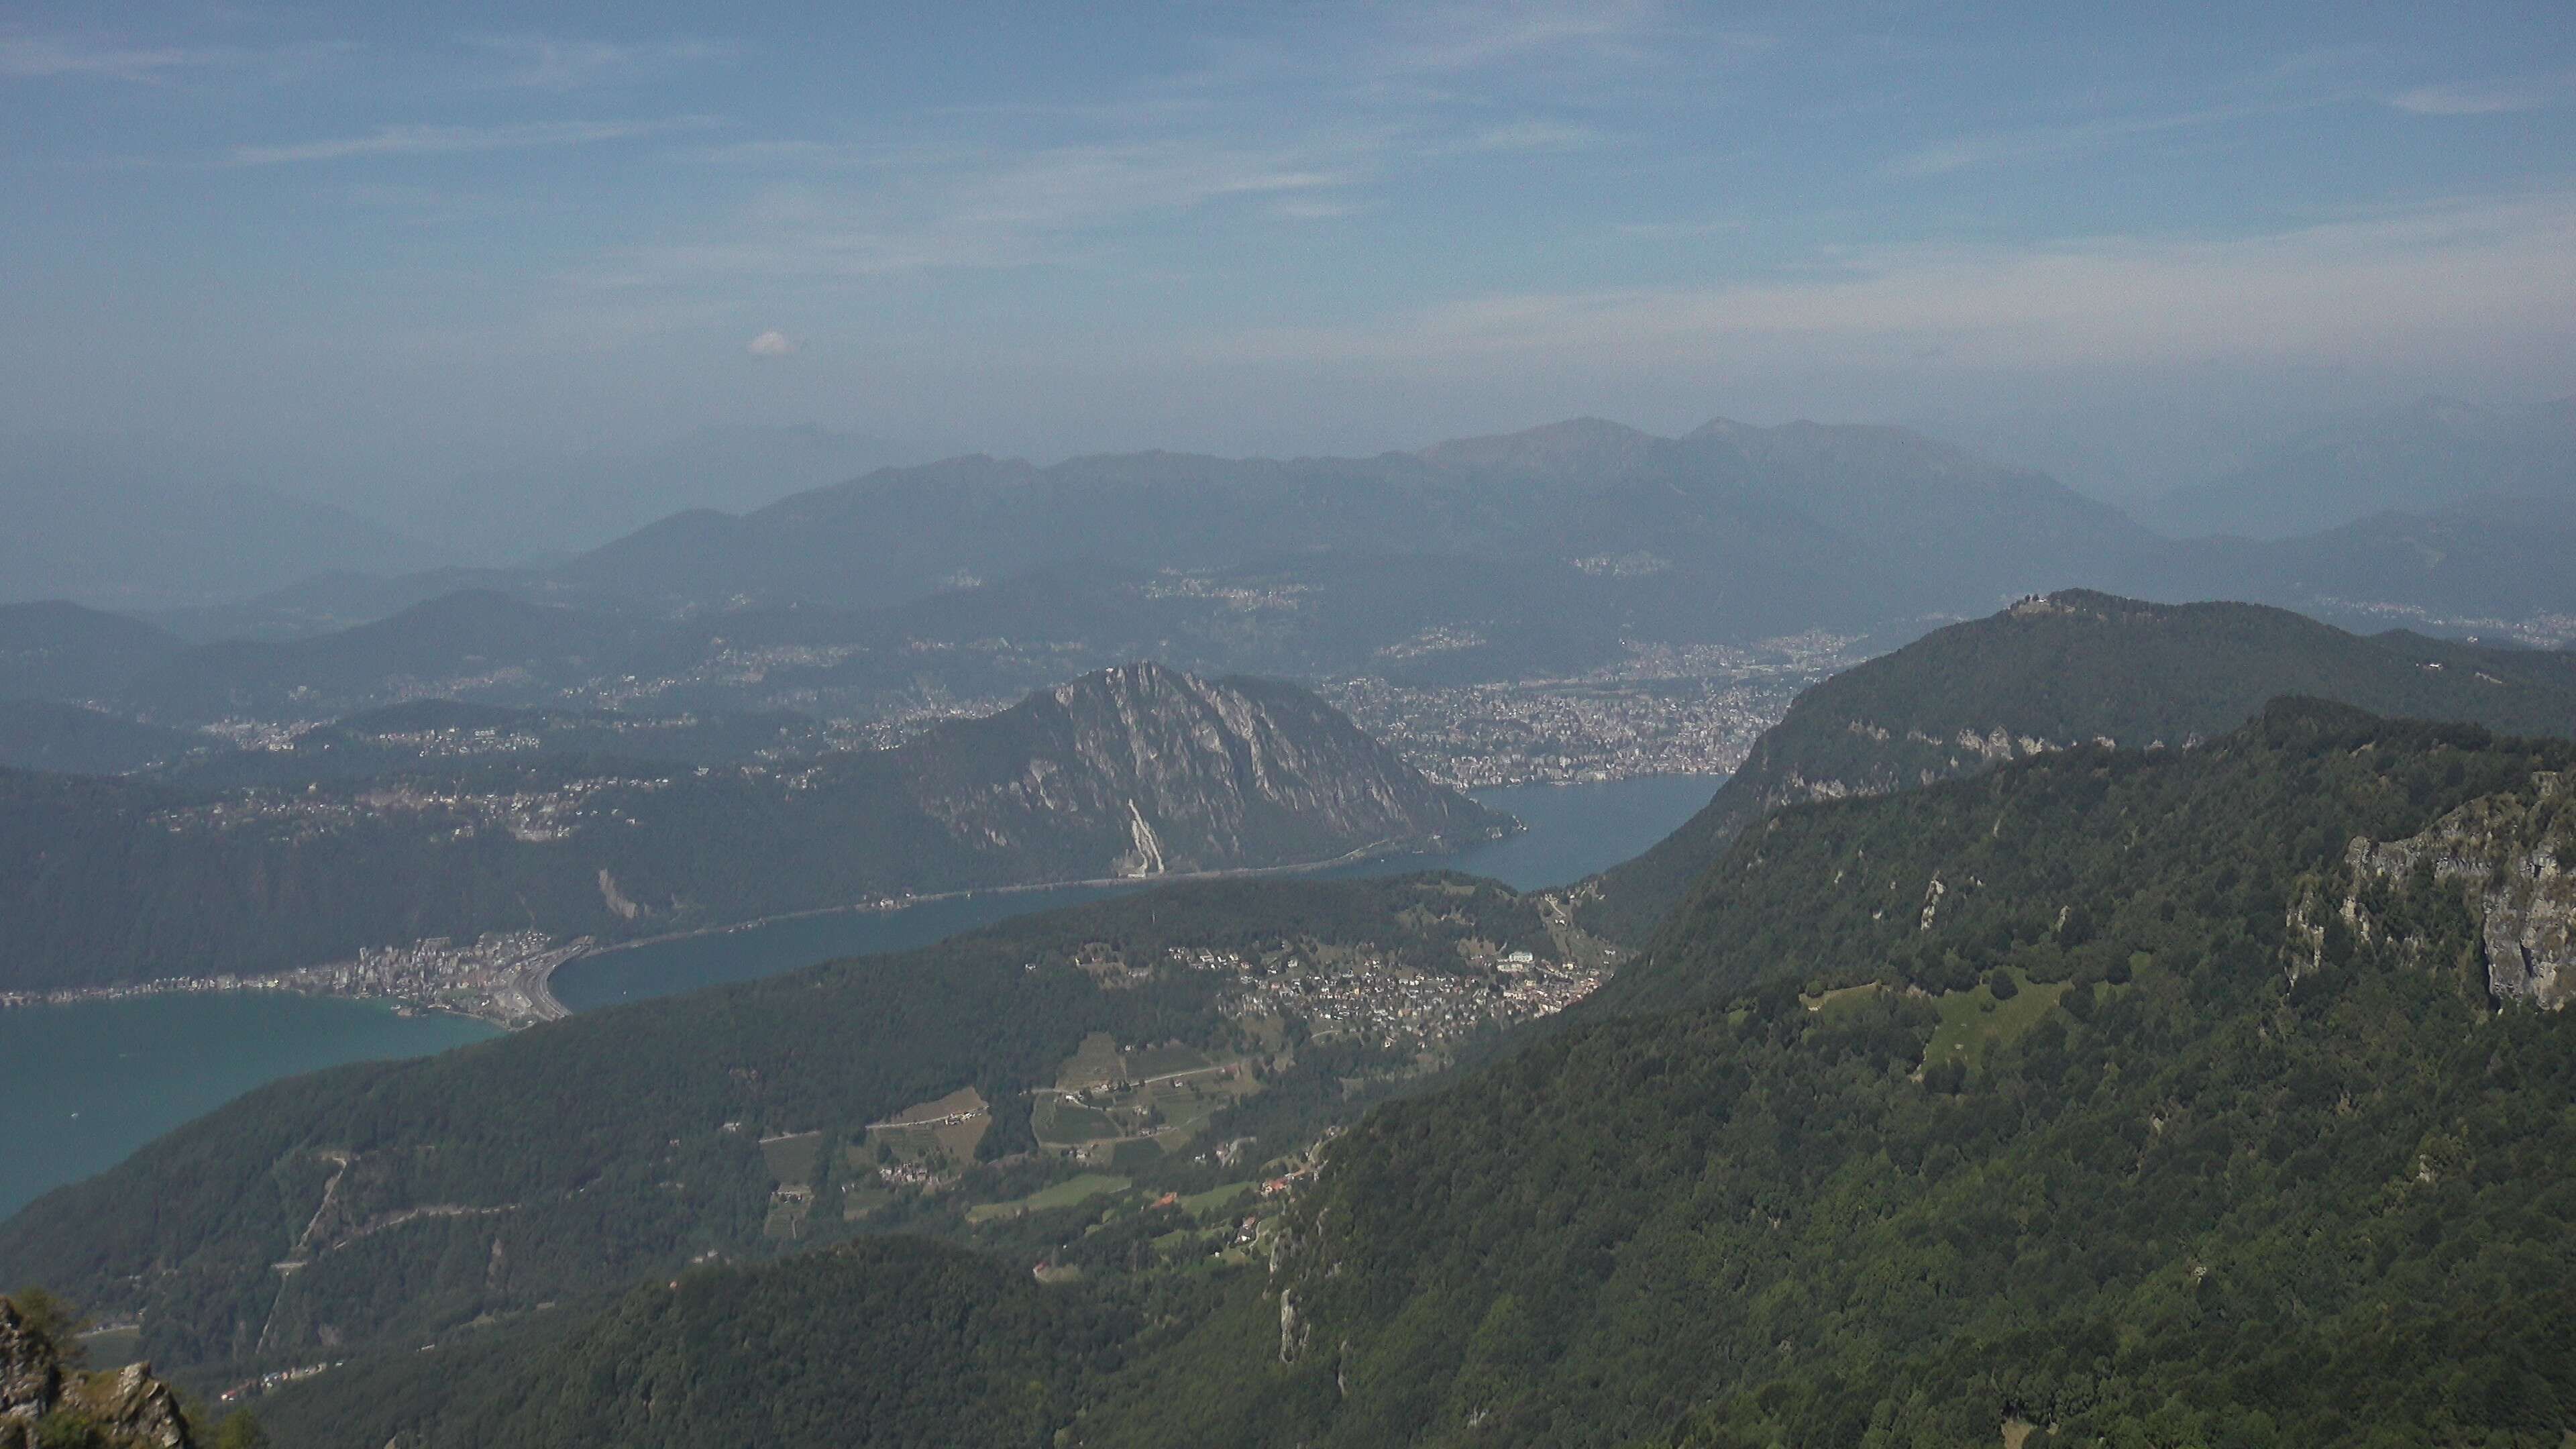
pixel 26 56
pixel 543 62
pixel 2049 143
pixel 417 140
pixel 2488 98
pixel 2463 281
pixel 1534 136
pixel 772 343
pixel 1468 37
pixel 943 211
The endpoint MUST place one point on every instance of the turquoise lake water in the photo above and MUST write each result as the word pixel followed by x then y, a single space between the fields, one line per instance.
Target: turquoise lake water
pixel 83 1086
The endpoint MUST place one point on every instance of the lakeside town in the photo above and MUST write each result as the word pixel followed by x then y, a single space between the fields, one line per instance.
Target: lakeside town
pixel 502 977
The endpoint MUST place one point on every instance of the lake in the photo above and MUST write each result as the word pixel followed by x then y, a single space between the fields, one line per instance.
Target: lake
pixel 1574 830
pixel 83 1086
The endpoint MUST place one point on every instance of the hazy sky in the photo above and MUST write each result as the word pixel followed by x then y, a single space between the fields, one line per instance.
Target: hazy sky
pixel 419 239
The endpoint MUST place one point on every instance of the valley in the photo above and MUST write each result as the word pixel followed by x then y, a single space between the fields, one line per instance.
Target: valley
pixel 1652 725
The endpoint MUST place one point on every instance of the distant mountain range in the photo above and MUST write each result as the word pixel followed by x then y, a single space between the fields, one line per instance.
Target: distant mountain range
pixel 137 529
pixel 1550 553
pixel 585 499
pixel 2425 458
pixel 1770 517
pixel 1764 529
pixel 1137 773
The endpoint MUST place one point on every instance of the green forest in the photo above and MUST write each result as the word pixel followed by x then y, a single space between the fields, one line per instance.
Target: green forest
pixel 2159 1095
pixel 2213 1178
pixel 2071 669
pixel 542 1166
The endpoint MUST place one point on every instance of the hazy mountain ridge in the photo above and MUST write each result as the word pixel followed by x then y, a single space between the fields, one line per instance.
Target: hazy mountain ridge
pixel 2426 457
pixel 64 651
pixel 1509 497
pixel 38 734
pixel 139 528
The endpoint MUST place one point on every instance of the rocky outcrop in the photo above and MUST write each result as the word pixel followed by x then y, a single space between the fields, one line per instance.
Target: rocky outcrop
pixel 2515 857
pixel 42 1401
pixel 1144 770
pixel 31 1376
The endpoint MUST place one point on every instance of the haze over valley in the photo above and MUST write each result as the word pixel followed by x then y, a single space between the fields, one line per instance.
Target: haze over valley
pixel 1628 725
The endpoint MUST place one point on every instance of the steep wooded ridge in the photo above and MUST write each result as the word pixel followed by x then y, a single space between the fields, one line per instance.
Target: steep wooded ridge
pixel 2073 668
pixel 414 1198
pixel 1135 772
pixel 2162 1098
pixel 2141 1116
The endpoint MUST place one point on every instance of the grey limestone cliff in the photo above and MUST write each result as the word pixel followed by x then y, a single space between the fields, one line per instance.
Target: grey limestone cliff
pixel 2514 855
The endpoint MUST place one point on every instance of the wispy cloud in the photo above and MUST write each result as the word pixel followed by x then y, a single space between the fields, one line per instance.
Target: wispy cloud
pixel 544 62
pixel 422 140
pixel 1463 37
pixel 772 343
pixel 38 55
pixel 2488 98
pixel 29 56
pixel 2467 279
pixel 1681 230
pixel 1533 136
pixel 922 211
pixel 2077 138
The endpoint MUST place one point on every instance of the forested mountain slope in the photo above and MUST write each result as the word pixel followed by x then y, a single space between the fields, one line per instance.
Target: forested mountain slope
pixel 38 734
pixel 2190 1110
pixel 1135 772
pixel 2145 1113
pixel 2071 668
pixel 56 650
pixel 420 1196
pixel 884 1344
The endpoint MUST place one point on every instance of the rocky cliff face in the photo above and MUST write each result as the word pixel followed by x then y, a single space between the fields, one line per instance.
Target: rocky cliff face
pixel 42 1402
pixel 2514 858
pixel 1146 771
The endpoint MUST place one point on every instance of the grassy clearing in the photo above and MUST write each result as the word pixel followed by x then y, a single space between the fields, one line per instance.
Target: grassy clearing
pixel 1057 1123
pixel 1069 1193
pixel 1163 1061
pixel 791 1159
pixel 1134 1152
pixel 1972 1021
pixel 960 1139
pixel 1095 1064
pixel 1841 996
pixel 1215 1200
pixel 955 1104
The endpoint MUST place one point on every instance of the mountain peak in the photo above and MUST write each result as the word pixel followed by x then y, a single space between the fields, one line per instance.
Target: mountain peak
pixel 1577 445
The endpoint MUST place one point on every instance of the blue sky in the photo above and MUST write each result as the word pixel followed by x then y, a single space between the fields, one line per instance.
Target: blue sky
pixel 396 243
